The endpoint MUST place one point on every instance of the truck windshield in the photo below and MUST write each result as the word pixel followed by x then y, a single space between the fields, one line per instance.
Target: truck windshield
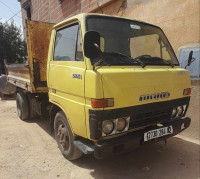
pixel 127 42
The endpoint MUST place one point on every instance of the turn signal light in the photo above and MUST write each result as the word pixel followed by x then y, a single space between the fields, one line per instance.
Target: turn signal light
pixel 187 91
pixel 102 103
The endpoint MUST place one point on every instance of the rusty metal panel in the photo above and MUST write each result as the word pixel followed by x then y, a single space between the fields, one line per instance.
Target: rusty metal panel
pixel 38 37
pixel 19 75
pixel 19 70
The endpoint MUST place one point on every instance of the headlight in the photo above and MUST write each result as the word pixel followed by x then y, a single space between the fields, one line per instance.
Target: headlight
pixel 115 126
pixel 180 110
pixel 107 127
pixel 177 112
pixel 121 124
pixel 174 113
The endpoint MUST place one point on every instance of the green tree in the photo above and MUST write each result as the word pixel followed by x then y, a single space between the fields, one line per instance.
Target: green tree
pixel 12 46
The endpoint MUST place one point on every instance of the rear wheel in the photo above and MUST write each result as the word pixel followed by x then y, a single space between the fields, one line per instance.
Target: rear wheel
pixel 22 106
pixel 65 138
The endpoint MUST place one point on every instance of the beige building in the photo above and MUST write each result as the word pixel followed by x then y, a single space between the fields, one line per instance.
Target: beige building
pixel 180 19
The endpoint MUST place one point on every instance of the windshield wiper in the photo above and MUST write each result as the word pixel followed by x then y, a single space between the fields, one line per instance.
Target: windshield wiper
pixel 169 63
pixel 140 62
pixel 117 53
pixel 133 59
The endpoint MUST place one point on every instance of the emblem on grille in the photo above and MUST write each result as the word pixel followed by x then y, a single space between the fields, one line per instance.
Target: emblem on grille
pixel 148 97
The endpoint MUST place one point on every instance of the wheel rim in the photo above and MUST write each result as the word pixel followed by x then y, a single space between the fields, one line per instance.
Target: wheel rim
pixel 63 137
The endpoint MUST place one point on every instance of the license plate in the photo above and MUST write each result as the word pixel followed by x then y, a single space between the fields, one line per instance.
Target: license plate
pixel 158 133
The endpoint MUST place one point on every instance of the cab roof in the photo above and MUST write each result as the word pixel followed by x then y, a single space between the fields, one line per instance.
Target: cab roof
pixel 82 16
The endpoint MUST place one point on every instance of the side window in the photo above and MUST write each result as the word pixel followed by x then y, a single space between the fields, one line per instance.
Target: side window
pixel 65 44
pixel 79 50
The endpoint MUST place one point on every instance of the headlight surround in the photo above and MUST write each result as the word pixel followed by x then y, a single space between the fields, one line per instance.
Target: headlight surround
pixel 107 127
pixel 115 126
pixel 178 111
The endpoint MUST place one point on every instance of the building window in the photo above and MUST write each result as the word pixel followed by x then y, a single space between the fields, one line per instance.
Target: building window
pixel 28 13
pixel 60 1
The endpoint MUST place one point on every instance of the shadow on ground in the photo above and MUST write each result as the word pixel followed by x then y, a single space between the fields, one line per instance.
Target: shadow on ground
pixel 44 123
pixel 178 159
pixel 4 97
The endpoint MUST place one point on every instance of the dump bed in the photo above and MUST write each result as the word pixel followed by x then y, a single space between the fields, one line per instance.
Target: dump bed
pixel 32 75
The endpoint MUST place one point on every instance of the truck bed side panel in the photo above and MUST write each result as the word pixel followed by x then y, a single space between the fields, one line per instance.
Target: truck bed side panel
pixel 38 37
pixel 19 75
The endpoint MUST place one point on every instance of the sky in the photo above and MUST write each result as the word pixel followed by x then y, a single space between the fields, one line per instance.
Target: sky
pixel 9 8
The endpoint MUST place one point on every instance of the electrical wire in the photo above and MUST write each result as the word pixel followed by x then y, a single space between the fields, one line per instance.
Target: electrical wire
pixel 99 6
pixel 122 6
pixel 8 8
pixel 13 16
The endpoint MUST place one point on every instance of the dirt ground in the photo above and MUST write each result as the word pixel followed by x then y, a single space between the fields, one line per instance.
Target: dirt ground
pixel 28 150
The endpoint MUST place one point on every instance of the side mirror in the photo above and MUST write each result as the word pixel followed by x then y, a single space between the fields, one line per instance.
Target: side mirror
pixel 91 41
pixel 190 59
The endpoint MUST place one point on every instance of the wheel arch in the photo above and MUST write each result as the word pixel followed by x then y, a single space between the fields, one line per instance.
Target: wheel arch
pixel 55 108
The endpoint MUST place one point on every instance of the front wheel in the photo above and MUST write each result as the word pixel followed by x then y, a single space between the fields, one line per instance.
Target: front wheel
pixel 65 138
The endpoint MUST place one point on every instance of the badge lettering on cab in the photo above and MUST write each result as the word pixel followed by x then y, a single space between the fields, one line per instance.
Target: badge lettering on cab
pixel 78 76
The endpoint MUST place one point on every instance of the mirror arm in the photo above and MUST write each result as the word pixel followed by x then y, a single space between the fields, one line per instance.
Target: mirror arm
pixel 101 56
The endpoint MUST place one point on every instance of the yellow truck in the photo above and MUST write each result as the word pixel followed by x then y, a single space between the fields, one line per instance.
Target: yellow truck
pixel 108 84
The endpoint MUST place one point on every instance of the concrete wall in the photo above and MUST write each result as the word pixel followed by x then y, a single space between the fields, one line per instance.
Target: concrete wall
pixel 178 18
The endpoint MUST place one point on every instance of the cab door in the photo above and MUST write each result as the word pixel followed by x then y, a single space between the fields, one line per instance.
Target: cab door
pixel 67 75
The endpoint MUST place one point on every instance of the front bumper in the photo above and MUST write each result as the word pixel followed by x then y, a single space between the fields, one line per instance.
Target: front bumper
pixel 128 142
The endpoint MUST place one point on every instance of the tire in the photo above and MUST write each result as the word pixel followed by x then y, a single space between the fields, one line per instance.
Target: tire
pixel 65 138
pixel 22 106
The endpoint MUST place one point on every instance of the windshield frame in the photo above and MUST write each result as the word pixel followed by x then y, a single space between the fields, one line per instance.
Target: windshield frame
pixel 133 21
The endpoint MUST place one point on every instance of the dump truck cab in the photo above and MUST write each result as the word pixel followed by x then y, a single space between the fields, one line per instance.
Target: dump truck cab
pixel 118 84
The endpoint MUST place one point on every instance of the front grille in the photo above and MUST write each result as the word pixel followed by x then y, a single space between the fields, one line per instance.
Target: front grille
pixel 141 115
pixel 149 118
